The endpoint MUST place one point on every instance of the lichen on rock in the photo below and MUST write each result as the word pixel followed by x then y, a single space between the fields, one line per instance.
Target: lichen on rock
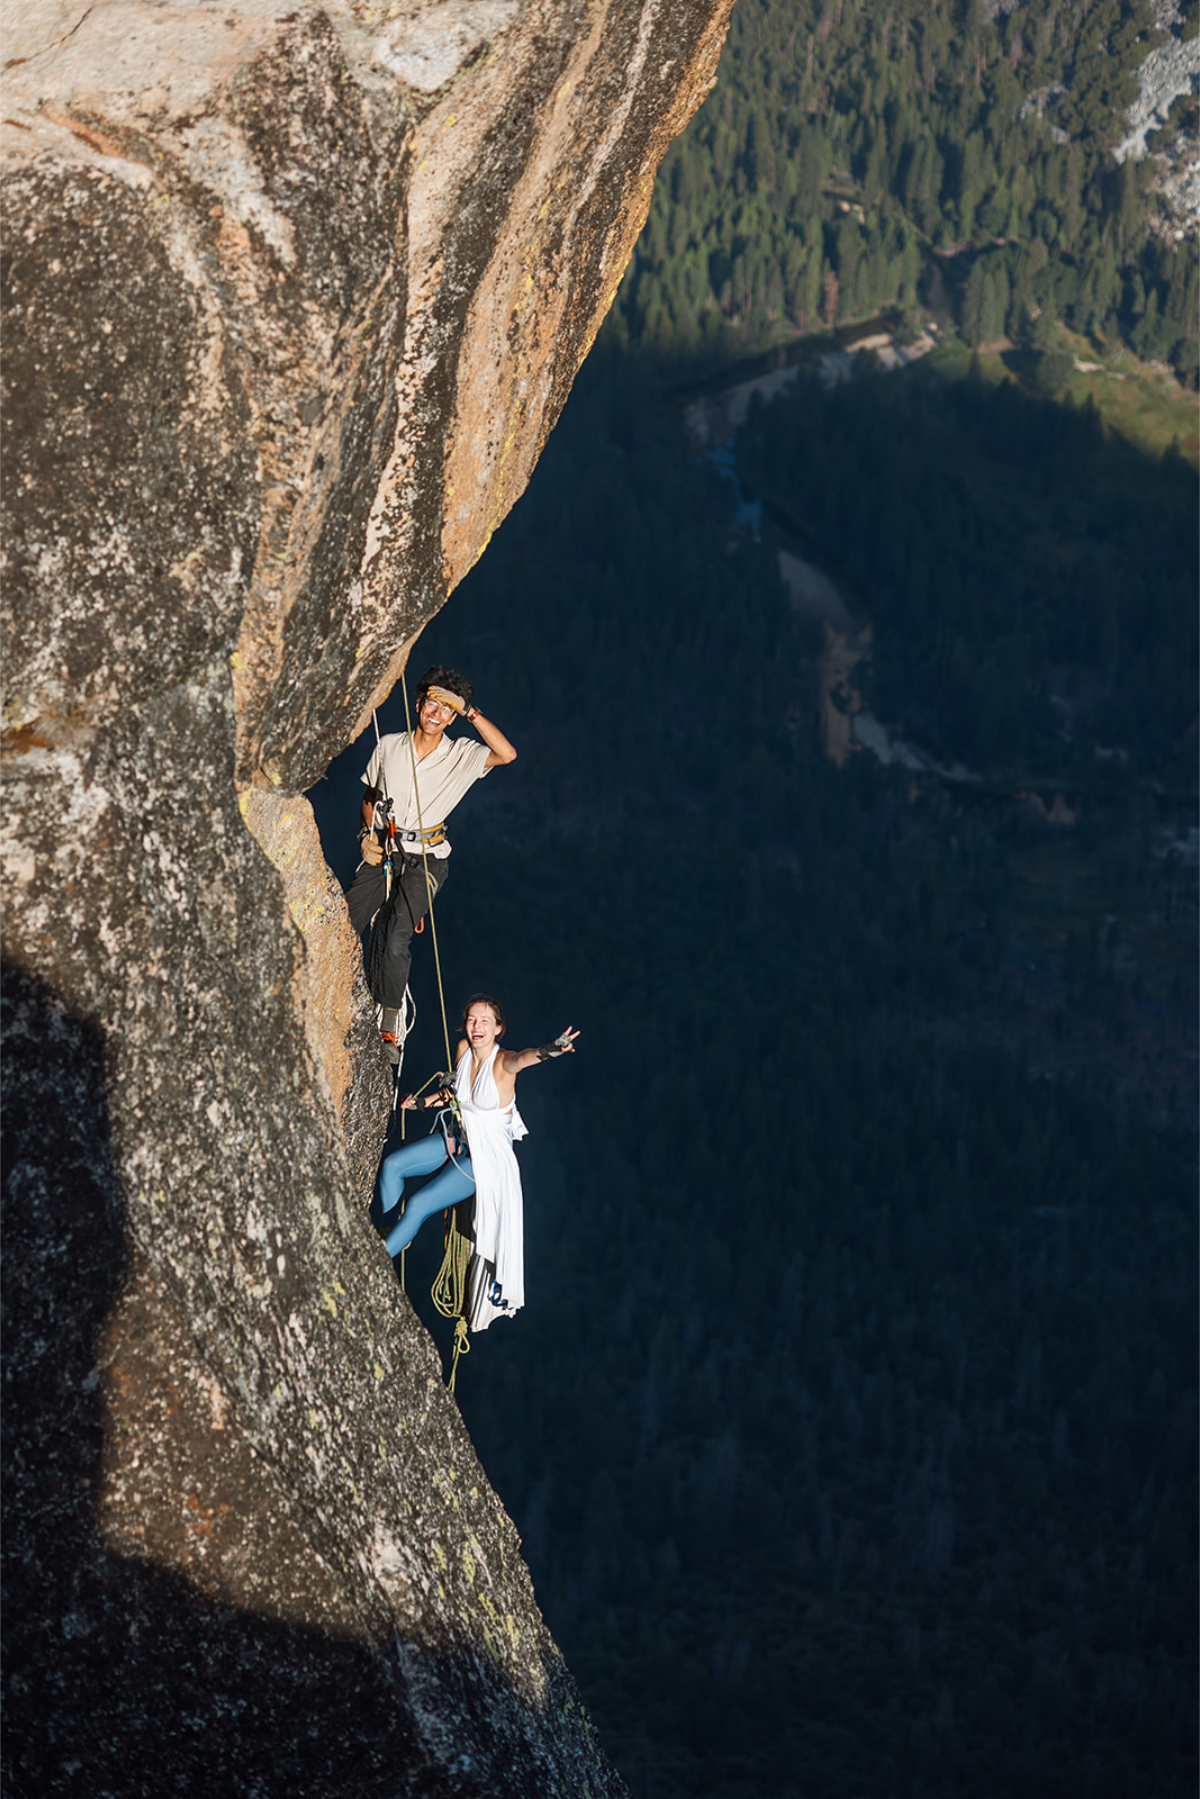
pixel 292 300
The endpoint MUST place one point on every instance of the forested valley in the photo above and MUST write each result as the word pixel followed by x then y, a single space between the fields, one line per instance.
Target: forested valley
pixel 848 146
pixel 850 1425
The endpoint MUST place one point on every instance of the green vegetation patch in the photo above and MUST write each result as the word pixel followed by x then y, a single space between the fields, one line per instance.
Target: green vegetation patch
pixel 1141 401
pixel 853 157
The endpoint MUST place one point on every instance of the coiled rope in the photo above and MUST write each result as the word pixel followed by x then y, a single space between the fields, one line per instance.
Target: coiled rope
pixel 450 1288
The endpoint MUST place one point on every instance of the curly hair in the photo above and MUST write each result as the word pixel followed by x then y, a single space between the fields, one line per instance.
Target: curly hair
pixel 443 677
pixel 484 999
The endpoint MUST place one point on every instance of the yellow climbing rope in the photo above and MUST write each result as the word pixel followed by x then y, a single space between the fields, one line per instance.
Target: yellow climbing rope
pixel 437 959
pixel 450 1288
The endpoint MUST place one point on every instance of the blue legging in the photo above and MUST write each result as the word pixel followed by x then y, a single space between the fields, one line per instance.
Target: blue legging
pixel 455 1182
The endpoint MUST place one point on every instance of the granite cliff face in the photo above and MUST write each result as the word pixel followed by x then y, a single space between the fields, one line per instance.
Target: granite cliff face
pixel 292 300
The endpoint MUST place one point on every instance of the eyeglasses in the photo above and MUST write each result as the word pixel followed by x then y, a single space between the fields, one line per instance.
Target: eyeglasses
pixel 439 706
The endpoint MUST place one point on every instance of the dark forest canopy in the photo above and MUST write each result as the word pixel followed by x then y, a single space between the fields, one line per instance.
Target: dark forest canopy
pixel 1030 575
pixel 847 143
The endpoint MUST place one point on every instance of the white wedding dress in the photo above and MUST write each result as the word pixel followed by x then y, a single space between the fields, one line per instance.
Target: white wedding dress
pixel 496 1277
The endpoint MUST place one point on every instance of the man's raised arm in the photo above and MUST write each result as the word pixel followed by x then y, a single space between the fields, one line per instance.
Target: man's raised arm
pixel 500 750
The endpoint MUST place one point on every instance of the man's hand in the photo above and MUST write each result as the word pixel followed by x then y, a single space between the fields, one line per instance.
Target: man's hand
pixel 444 697
pixel 372 849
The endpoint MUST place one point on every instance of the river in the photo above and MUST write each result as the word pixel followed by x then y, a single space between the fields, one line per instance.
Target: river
pixel 714 412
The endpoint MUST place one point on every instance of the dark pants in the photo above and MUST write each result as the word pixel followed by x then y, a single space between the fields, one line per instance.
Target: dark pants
pixel 391 957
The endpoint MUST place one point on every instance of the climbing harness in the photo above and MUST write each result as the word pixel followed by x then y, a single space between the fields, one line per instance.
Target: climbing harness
pixel 427 839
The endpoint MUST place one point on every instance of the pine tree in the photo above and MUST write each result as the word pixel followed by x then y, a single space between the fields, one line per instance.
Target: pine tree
pixel 829 299
pixel 975 306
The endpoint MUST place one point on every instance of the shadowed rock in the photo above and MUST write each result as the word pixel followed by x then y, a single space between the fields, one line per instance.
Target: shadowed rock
pixel 292 300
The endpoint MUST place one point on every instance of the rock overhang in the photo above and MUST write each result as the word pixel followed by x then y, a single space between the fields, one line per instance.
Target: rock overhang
pixel 293 298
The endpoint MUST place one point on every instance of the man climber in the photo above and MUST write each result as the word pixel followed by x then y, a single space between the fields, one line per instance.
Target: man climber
pixel 484 1096
pixel 411 821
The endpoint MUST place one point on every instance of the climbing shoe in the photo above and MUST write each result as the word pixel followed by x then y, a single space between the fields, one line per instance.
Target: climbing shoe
pixel 391 1034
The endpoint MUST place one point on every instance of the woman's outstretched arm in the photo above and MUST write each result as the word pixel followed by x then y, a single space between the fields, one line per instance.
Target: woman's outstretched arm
pixel 563 1045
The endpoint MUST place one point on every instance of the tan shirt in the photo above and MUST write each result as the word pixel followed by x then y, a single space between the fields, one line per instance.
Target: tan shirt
pixel 442 778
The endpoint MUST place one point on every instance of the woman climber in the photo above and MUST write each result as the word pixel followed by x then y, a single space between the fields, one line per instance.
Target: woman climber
pixel 484 1089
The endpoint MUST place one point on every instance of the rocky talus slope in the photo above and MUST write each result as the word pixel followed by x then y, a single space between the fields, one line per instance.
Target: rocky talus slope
pixel 1170 70
pixel 292 299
